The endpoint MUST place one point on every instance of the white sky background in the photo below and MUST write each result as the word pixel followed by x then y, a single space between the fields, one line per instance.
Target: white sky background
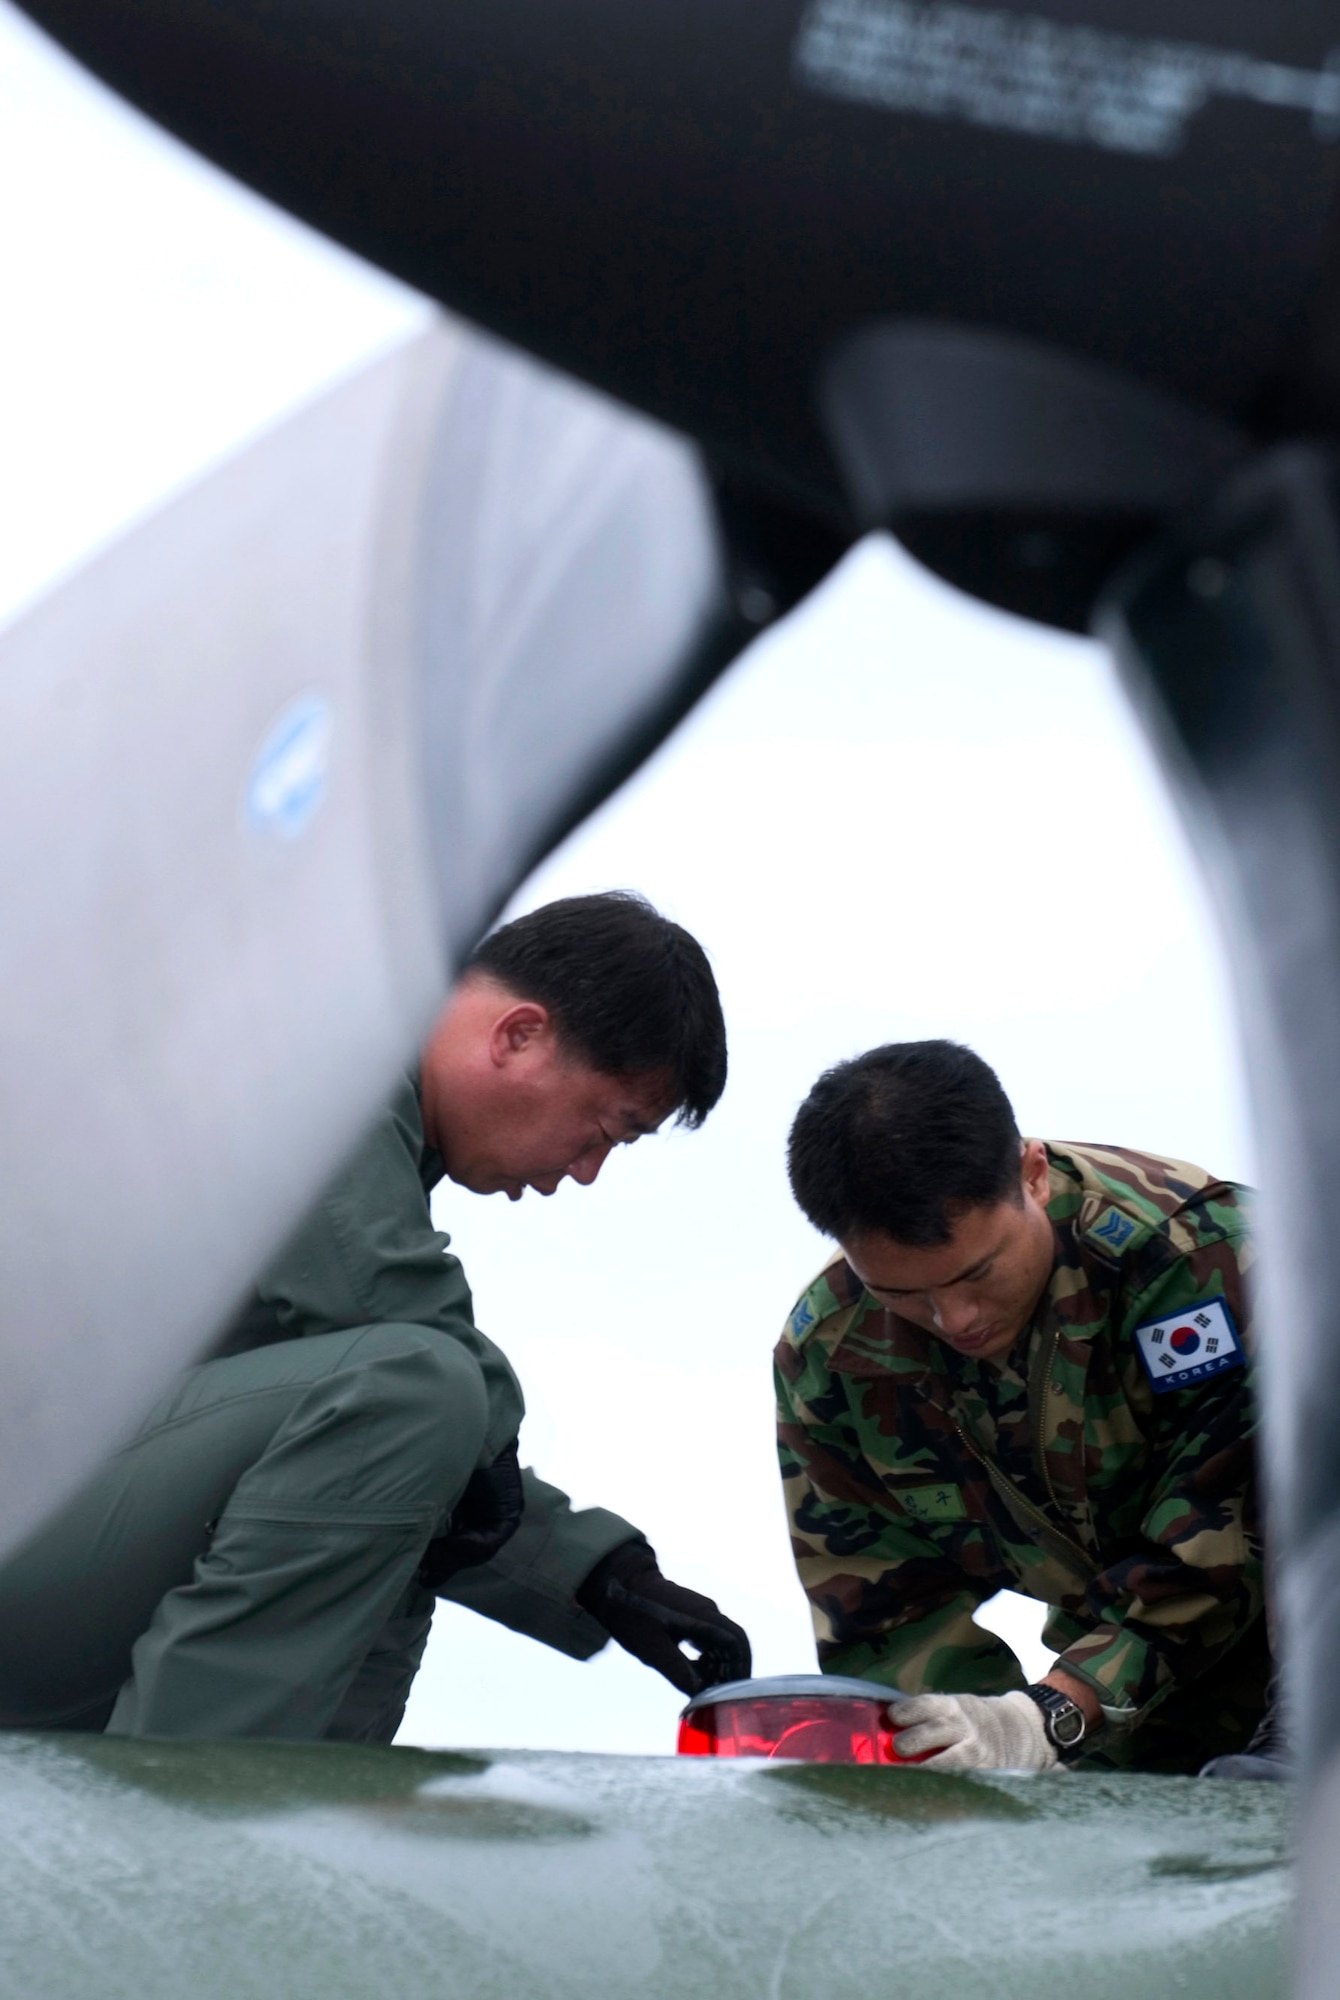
pixel 899 815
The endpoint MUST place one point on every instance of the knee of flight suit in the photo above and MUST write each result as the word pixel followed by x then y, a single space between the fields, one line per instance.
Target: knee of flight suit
pixel 429 1385
pixel 399 1427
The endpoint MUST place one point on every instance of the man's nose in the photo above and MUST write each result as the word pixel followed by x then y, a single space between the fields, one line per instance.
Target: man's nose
pixel 953 1312
pixel 586 1167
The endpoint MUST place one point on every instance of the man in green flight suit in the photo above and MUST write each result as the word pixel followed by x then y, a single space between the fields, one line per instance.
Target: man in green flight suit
pixel 1028 1367
pixel 263 1557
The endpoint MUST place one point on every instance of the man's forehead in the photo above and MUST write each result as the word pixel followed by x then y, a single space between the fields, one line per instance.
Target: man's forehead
pixel 884 1264
pixel 640 1101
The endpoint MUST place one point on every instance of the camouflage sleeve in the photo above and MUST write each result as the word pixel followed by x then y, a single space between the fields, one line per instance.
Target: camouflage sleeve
pixel 886 1604
pixel 1191 1582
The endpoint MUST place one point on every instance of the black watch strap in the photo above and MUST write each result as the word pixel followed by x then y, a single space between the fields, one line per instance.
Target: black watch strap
pixel 1065 1722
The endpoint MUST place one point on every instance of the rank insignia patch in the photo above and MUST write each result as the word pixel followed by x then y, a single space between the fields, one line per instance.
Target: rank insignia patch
pixel 1112 1231
pixel 802 1319
pixel 1196 1342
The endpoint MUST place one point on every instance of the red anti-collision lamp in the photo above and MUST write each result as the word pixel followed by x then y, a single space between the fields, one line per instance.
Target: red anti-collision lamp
pixel 815 1718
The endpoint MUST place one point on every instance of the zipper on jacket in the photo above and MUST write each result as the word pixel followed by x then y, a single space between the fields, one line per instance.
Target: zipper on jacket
pixel 1038 1412
pixel 1014 1498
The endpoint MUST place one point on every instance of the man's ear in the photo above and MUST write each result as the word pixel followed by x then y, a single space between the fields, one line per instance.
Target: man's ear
pixel 517 1031
pixel 1035 1171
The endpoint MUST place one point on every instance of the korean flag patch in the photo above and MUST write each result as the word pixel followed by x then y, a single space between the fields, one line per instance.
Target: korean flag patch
pixel 1197 1342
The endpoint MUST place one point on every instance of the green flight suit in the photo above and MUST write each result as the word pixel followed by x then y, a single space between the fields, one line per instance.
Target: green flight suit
pixel 246 1565
pixel 1106 1466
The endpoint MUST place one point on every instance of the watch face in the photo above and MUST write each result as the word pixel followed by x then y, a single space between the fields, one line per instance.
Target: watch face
pixel 1068 1727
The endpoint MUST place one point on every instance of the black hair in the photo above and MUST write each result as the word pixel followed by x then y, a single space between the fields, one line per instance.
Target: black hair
pixel 630 992
pixel 901 1140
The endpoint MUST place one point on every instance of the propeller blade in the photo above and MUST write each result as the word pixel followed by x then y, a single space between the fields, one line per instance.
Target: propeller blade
pixel 271 763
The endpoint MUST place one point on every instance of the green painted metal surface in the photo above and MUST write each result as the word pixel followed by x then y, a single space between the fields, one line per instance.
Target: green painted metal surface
pixel 183 1871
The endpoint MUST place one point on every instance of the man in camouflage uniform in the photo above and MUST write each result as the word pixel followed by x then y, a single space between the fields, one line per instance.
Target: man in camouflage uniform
pixel 1027 1367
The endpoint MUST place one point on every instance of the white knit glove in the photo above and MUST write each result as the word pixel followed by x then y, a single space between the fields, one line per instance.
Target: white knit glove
pixel 973 1732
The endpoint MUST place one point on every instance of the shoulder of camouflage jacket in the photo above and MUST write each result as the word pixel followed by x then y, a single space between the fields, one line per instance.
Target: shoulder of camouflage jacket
pixel 822 1313
pixel 831 1295
pixel 1142 1212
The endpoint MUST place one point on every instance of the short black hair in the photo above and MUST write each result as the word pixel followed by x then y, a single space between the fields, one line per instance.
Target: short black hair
pixel 629 991
pixel 901 1140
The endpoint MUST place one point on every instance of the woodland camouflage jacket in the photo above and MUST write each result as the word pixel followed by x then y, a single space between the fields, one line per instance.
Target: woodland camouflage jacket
pixel 919 1482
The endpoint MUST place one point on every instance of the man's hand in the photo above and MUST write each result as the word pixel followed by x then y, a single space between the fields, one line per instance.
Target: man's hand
pixel 650 1617
pixel 486 1517
pixel 973 1732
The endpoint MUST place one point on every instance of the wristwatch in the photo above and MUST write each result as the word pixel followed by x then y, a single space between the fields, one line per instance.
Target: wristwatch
pixel 1063 1719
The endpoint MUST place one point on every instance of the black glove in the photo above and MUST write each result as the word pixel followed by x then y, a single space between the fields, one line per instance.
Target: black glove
pixel 649 1616
pixel 486 1516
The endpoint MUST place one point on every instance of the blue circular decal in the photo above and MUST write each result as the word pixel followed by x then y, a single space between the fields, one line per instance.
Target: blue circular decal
pixel 288 779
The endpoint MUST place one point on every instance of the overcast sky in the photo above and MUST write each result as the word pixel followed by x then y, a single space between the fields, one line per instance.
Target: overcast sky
pixel 899 815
